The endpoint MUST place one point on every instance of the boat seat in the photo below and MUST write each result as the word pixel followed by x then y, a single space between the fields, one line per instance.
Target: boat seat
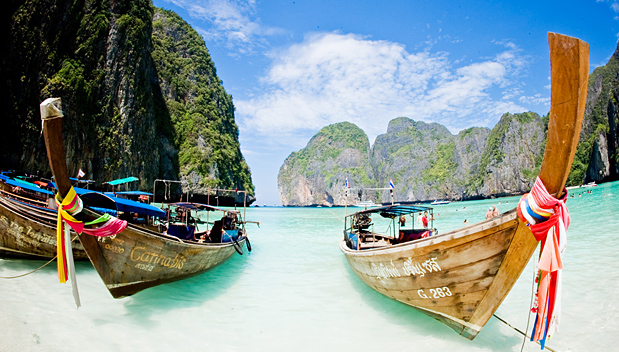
pixel 412 235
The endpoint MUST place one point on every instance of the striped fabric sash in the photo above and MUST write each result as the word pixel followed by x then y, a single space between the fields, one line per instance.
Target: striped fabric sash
pixel 68 207
pixel 548 220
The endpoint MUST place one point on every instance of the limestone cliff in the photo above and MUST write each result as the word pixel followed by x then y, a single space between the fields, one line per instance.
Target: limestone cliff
pixel 425 162
pixel 316 174
pixel 141 98
pixel 598 147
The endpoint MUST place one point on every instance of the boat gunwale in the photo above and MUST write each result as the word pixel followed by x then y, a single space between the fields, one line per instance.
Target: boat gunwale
pixel 497 223
pixel 17 208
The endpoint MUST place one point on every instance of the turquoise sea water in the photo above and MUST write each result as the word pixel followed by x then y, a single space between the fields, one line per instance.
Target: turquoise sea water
pixel 295 292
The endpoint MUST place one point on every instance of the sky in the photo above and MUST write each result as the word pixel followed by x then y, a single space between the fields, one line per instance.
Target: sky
pixel 293 67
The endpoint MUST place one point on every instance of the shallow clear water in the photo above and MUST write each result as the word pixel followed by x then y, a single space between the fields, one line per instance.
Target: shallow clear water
pixel 295 291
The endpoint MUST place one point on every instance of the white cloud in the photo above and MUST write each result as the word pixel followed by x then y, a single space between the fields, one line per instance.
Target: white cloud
pixel 536 99
pixel 332 77
pixel 232 22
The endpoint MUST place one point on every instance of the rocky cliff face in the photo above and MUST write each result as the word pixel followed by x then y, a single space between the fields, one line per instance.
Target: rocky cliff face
pixel 130 110
pixel 316 175
pixel 512 156
pixel 200 110
pixel 425 162
pixel 417 156
pixel 598 146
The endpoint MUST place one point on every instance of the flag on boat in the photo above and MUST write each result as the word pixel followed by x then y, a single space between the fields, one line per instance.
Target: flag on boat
pixel 81 173
pixel 391 184
pixel 346 182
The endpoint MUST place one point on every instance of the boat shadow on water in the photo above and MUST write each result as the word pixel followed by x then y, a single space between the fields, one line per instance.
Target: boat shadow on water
pixel 189 293
pixel 494 336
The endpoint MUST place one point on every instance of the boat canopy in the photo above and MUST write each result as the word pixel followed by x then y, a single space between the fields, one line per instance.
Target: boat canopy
pixel 200 206
pixel 125 205
pixel 81 181
pixel 25 185
pixel 129 193
pixel 391 211
pixel 121 181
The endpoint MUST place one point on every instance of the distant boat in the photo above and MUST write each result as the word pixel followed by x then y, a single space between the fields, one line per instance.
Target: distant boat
pixel 461 277
pixel 439 202
pixel 590 184
pixel 367 204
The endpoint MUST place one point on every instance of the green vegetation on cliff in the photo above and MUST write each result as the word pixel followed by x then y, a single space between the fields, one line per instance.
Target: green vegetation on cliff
pixel 139 90
pixel 443 166
pixel 201 111
pixel 603 91
pixel 336 152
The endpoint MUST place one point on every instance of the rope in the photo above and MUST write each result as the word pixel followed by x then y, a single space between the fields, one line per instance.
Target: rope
pixel 334 215
pixel 530 305
pixel 28 273
pixel 518 330
pixel 35 270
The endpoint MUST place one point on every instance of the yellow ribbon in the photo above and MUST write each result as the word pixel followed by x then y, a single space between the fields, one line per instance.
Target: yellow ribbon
pixel 64 215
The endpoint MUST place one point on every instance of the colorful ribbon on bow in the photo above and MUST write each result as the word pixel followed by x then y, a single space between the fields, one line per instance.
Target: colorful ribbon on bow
pixel 548 220
pixel 68 207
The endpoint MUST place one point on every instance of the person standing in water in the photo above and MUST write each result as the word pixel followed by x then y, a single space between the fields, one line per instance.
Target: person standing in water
pixel 489 213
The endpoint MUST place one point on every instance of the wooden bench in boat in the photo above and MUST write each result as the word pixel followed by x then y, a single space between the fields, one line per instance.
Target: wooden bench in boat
pixel 374 240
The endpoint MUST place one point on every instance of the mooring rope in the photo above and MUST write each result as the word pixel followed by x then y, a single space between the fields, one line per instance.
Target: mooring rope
pixel 35 270
pixel 525 335
pixel 334 215
pixel 530 305
pixel 22 275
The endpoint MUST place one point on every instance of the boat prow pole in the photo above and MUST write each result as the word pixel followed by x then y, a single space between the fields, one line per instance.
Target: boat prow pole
pixel 569 68
pixel 51 116
pixel 569 72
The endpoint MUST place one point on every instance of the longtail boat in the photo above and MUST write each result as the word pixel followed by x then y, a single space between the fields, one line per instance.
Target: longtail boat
pixel 28 215
pixel 461 277
pixel 139 257
pixel 28 224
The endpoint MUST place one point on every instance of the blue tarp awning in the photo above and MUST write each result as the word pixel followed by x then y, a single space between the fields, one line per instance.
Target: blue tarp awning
pixel 129 193
pixel 25 185
pixel 199 206
pixel 126 205
pixel 394 210
pixel 120 181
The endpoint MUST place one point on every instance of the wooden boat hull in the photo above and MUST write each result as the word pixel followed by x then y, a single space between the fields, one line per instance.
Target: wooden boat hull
pixel 454 277
pixel 131 261
pixel 461 277
pixel 136 259
pixel 25 235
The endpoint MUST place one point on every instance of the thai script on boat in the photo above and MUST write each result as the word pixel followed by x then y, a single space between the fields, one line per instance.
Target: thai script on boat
pixel 385 271
pixel 31 237
pixel 428 266
pixel 139 254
